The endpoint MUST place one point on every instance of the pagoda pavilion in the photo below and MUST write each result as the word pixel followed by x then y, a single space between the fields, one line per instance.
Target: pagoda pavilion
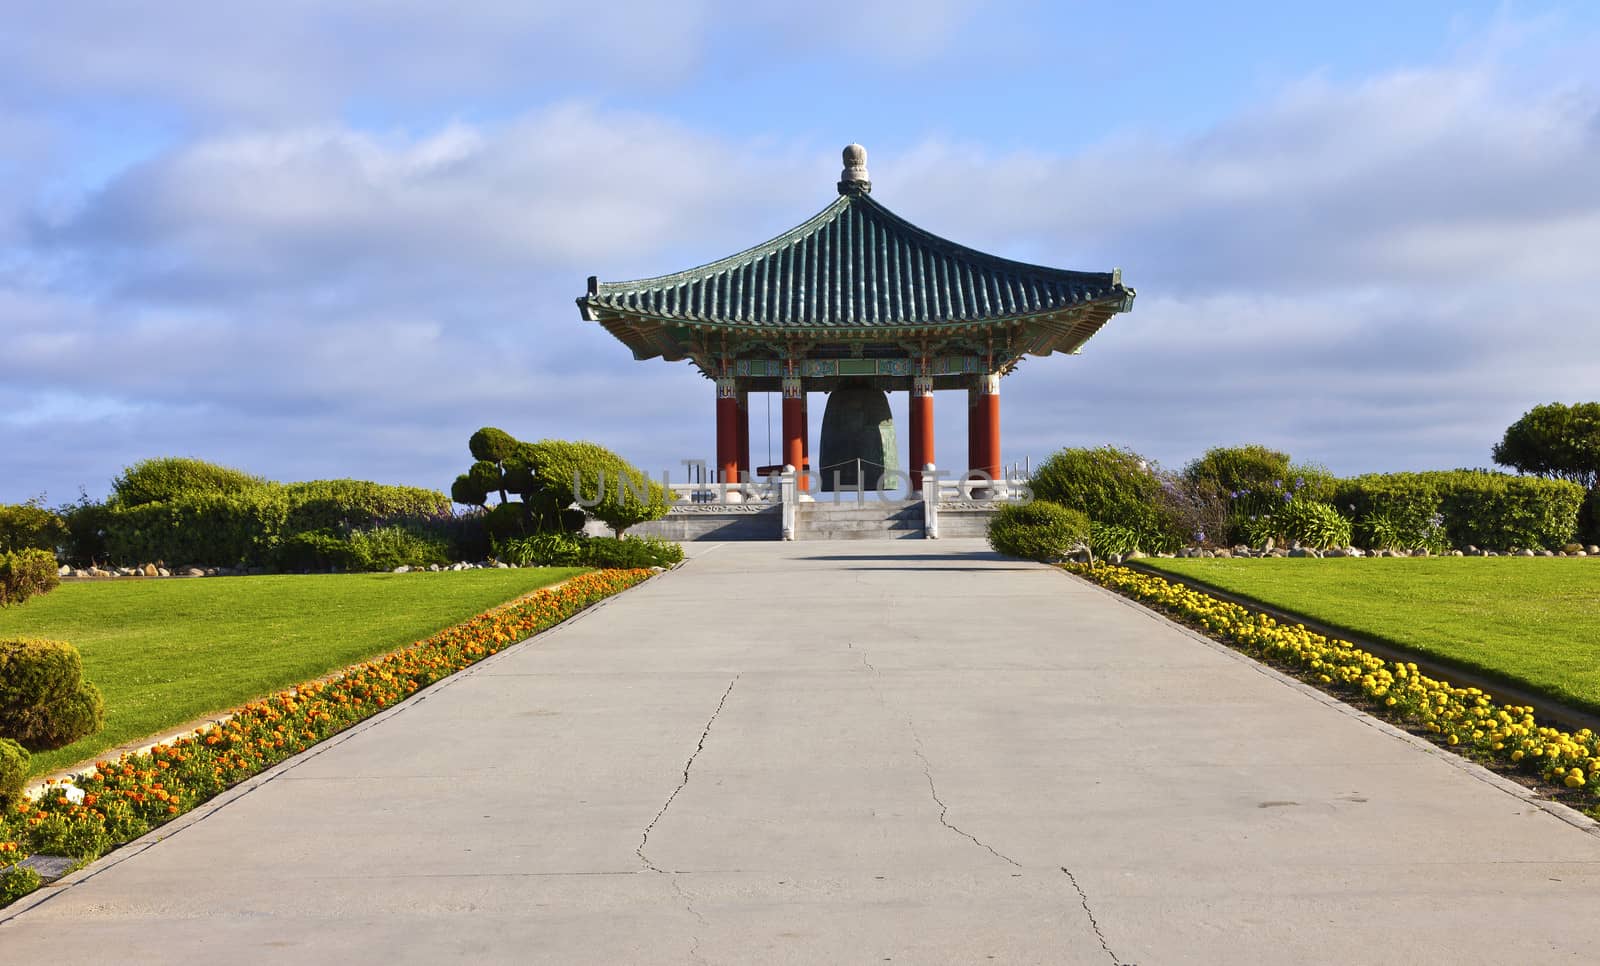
pixel 857 298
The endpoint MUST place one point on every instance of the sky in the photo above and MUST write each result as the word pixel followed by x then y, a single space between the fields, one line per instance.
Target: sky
pixel 319 240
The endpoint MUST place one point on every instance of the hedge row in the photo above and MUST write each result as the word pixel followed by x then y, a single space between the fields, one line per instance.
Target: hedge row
pixel 1473 507
pixel 256 526
pixel 1250 494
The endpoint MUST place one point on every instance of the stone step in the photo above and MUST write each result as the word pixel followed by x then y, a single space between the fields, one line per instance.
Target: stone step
pixel 853 525
pixel 859 534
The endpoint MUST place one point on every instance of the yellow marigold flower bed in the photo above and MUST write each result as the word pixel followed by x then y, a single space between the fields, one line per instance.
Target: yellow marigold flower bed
pixel 123 799
pixel 1466 720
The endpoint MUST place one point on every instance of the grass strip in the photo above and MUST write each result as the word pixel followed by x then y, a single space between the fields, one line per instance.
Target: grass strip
pixel 1534 623
pixel 1468 721
pixel 123 799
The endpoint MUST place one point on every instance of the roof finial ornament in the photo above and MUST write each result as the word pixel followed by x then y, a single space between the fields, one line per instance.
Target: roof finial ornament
pixel 853 180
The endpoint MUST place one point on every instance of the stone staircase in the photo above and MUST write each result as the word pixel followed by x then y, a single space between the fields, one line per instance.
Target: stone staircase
pixel 849 520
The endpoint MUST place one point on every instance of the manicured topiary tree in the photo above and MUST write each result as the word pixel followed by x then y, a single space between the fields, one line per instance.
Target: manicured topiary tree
pixel 552 486
pixel 44 700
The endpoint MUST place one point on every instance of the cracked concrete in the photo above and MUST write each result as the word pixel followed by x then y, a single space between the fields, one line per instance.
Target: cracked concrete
pixel 644 839
pixel 885 751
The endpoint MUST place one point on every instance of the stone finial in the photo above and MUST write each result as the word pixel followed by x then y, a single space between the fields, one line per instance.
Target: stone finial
pixel 853 180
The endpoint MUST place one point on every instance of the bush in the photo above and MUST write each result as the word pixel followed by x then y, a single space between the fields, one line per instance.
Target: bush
pixel 1106 539
pixel 316 550
pixel 175 477
pixel 335 504
pixel 385 548
pixel 86 522
pixel 29 526
pixel 1254 481
pixel 1392 530
pixel 1040 530
pixel 1474 507
pixel 1505 512
pixel 1312 523
pixel 543 550
pixel 14 761
pixel 17 881
pixel 1113 486
pixel 224 529
pixel 576 550
pixel 44 700
pixel 628 553
pixel 27 573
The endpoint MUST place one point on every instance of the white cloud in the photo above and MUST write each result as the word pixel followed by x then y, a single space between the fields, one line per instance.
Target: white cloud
pixel 1381 275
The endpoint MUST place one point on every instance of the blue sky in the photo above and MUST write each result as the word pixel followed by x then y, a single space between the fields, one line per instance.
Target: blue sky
pixel 313 243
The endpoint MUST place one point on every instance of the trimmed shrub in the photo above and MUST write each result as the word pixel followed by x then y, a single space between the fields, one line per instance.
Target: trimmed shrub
pixel 176 477
pixel 14 760
pixel 1474 507
pixel 1113 486
pixel 1505 512
pixel 1040 530
pixel 225 529
pixel 332 504
pixel 29 526
pixel 27 573
pixel 44 700
pixel 616 492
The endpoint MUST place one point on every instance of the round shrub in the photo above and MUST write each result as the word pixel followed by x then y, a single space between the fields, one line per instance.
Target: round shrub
pixel 1040 530
pixel 13 770
pixel 1116 487
pixel 27 573
pixel 44 700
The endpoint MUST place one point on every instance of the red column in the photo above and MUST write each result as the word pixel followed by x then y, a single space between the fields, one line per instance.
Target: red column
pixel 805 436
pixel 794 426
pixel 727 432
pixel 974 430
pixel 744 432
pixel 988 413
pixel 921 428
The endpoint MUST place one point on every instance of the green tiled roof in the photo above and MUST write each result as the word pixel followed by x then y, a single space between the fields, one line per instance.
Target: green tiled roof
pixel 856 265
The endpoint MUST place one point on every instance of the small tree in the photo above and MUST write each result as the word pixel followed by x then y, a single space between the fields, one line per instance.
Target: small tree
pixel 1555 441
pixel 543 485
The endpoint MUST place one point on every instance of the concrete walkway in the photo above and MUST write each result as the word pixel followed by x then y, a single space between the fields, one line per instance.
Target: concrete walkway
pixel 896 751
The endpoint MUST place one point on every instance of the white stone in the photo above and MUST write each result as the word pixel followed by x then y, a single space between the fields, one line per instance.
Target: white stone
pixel 64 571
pixel 402 569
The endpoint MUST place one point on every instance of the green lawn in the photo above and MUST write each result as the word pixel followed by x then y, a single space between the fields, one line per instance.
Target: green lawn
pixel 1531 621
pixel 164 652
